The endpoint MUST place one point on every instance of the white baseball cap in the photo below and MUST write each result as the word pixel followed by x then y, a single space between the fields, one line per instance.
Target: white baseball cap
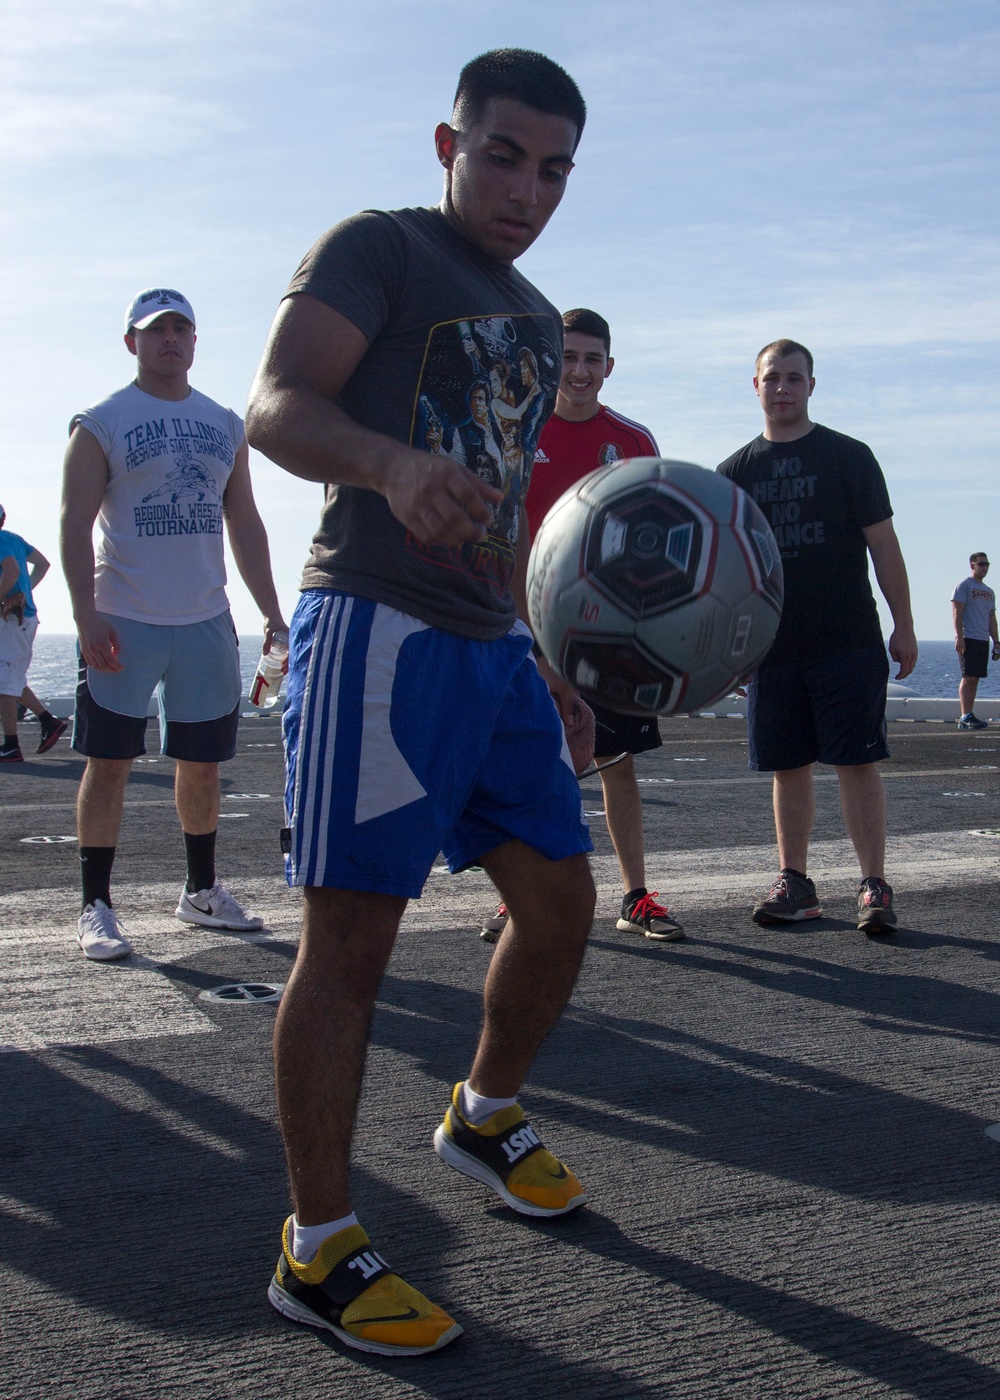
pixel 144 308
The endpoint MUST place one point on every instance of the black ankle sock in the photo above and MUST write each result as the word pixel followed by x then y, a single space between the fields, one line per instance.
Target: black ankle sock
pixel 789 870
pixel 633 895
pixel 95 872
pixel 201 861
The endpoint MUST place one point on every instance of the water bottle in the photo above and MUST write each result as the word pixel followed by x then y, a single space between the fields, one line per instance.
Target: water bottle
pixel 266 684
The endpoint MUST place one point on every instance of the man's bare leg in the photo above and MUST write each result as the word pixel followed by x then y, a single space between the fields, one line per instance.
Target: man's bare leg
pixel 321 1038
pixel 101 800
pixel 31 702
pixel 8 717
pixel 623 811
pixel 967 689
pixel 794 802
pixel 196 796
pixel 862 801
pixel 536 963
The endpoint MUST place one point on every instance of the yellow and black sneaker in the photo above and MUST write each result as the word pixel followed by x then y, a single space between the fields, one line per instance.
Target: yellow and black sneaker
pixel 506 1154
pixel 349 1290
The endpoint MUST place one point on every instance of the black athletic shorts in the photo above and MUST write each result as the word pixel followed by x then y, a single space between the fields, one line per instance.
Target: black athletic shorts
pixel 617 733
pixel 827 711
pixel 975 658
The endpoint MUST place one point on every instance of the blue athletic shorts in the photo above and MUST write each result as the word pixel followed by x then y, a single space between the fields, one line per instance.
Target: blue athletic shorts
pixel 194 669
pixel 827 711
pixel 402 740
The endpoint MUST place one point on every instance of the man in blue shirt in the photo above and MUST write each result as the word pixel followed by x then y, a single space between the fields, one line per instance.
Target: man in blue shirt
pixel 21 568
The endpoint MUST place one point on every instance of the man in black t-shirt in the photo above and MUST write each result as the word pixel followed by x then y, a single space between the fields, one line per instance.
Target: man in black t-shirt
pixel 410 368
pixel 819 695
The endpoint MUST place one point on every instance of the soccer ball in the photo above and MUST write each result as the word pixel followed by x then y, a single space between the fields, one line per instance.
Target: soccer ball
pixel 653 586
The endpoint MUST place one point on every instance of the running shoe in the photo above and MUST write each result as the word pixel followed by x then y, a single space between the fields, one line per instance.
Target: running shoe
pixel 216 908
pixel 506 1154
pixel 646 916
pixel 875 912
pixel 100 934
pixel 494 926
pixel 790 898
pixel 11 753
pixel 349 1290
pixel 970 721
pixel 52 731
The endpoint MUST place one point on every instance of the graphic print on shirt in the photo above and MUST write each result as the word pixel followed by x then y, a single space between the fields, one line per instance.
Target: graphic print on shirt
pixel 784 500
pixel 185 496
pixel 486 387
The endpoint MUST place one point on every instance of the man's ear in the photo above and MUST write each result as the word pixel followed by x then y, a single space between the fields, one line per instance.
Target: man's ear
pixel 130 342
pixel 444 144
pixel 609 366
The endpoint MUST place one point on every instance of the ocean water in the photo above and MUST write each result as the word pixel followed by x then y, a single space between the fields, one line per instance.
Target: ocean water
pixel 53 668
pixel 53 663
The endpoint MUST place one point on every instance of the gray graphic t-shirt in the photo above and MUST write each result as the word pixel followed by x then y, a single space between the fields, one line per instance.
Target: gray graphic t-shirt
pixel 160 557
pixel 464 359
pixel 979 603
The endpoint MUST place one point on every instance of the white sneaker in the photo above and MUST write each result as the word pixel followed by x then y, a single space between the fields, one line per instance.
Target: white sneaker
pixel 100 935
pixel 216 908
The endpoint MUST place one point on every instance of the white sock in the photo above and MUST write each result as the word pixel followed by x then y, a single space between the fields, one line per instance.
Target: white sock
pixel 306 1239
pixel 476 1108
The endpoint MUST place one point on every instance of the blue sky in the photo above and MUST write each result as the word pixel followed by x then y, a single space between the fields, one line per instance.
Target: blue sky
pixel 826 171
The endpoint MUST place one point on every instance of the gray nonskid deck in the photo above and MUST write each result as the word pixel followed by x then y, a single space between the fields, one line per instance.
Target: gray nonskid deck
pixel 781 1130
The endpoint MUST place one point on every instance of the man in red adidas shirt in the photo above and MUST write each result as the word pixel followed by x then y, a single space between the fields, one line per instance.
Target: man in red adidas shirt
pixel 581 435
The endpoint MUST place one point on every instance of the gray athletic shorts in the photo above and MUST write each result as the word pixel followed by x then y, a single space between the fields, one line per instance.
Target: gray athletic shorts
pixel 194 668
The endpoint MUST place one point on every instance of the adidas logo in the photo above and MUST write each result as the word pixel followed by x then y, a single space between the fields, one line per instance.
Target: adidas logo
pixel 540 455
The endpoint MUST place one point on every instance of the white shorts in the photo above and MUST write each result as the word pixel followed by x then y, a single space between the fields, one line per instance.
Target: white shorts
pixel 16 641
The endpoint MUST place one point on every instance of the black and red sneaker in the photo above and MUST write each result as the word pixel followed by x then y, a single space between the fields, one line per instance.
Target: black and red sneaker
pixel 11 752
pixel 52 731
pixel 644 914
pixel 494 926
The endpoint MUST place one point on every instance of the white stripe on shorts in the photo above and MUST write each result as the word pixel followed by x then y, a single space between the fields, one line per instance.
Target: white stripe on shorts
pixel 385 781
pixel 312 759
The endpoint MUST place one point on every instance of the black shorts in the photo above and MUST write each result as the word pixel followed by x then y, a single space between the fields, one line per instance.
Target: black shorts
pixel 617 733
pixel 827 711
pixel 975 658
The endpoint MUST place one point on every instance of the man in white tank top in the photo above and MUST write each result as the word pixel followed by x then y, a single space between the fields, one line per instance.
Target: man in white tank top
pixel 159 467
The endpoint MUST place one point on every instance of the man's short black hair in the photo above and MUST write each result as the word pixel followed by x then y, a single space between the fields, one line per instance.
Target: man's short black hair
pixel 980 554
pixel 784 348
pixel 523 76
pixel 586 322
